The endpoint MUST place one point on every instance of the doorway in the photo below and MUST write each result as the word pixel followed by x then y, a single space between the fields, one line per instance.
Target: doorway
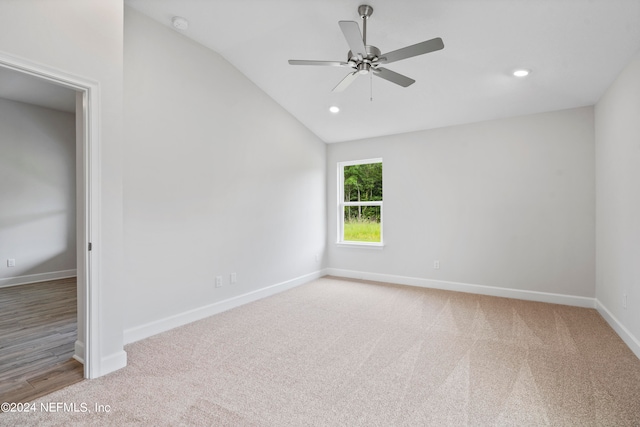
pixel 87 201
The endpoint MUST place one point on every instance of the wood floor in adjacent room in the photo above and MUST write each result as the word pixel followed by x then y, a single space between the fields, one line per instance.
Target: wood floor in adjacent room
pixel 38 329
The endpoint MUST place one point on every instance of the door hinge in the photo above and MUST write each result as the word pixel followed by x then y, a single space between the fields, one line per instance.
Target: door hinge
pixel 89 245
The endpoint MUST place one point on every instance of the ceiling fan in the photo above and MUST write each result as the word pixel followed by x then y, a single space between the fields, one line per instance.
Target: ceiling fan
pixel 364 59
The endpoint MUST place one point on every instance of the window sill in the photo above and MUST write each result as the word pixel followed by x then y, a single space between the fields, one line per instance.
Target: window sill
pixel 361 245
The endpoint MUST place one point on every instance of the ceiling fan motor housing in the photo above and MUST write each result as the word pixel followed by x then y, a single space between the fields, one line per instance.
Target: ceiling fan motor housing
pixel 364 67
pixel 373 53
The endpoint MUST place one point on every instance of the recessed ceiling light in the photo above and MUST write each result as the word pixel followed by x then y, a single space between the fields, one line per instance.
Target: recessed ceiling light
pixel 179 23
pixel 521 73
pixel 334 109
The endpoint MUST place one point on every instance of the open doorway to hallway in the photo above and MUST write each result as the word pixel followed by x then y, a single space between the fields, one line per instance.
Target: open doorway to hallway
pixel 43 223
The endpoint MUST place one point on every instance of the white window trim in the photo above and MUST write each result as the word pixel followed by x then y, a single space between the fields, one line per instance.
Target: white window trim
pixel 340 242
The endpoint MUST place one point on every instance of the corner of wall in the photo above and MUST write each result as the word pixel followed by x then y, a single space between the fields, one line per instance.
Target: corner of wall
pixel 632 342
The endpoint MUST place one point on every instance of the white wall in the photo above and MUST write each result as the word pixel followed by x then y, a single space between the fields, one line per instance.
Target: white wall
pixel 617 117
pixel 84 38
pixel 37 193
pixel 506 203
pixel 218 179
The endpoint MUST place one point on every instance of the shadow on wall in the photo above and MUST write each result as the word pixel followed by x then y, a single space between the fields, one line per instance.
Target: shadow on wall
pixel 17 220
pixel 40 243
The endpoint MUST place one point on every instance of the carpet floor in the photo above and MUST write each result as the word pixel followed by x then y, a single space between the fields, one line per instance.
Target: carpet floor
pixel 347 353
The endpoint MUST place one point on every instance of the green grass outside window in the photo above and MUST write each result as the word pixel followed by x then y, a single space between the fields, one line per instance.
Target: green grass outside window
pixel 361 231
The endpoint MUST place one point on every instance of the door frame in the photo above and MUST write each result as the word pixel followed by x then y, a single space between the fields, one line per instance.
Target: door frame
pixel 87 349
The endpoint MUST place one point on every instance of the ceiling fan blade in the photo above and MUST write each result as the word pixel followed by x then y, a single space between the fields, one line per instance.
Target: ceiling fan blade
pixel 351 32
pixel 324 63
pixel 393 77
pixel 413 50
pixel 345 82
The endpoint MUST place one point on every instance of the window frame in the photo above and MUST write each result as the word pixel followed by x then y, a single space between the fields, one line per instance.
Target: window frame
pixel 342 205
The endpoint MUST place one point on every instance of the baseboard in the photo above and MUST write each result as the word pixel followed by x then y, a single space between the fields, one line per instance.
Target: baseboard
pixel 35 278
pixel 147 330
pixel 467 287
pixel 112 363
pixel 79 351
pixel 629 339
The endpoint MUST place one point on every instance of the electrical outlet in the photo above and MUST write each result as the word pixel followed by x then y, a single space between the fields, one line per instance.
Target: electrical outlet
pixel 233 278
pixel 11 262
pixel 436 265
pixel 218 281
pixel 317 257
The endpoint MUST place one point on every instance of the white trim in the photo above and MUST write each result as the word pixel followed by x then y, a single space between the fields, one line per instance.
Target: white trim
pixel 374 203
pixel 78 353
pixel 93 191
pixel 629 339
pixel 632 342
pixel 360 162
pixel 360 245
pixel 113 362
pixel 147 330
pixel 92 182
pixel 467 287
pixel 35 278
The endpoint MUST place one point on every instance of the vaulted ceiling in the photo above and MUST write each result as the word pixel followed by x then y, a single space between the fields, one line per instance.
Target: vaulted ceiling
pixel 574 49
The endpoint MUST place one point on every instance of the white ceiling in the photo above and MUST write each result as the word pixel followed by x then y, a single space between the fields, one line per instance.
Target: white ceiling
pixel 575 49
pixel 22 87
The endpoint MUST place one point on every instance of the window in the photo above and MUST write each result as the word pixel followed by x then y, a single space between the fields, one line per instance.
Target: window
pixel 360 202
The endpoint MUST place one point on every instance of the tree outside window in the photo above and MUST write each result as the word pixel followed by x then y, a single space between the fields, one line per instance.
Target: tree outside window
pixel 360 210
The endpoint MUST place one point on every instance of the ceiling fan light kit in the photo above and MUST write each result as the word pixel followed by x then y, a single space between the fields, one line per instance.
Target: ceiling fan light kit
pixel 363 59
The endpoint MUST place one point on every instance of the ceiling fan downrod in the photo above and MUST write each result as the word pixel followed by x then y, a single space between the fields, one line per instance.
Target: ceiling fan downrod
pixel 365 12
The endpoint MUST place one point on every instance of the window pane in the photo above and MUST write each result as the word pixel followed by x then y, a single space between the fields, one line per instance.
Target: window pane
pixel 362 223
pixel 363 183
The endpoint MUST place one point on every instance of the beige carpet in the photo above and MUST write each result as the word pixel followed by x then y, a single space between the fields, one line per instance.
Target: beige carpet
pixel 346 353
